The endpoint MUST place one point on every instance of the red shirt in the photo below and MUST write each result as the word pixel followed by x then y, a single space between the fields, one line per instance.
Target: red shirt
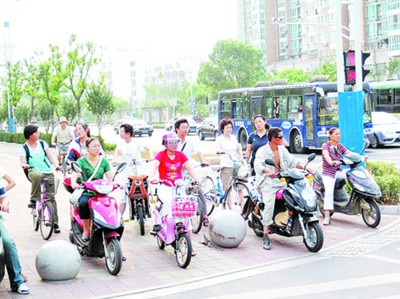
pixel 169 169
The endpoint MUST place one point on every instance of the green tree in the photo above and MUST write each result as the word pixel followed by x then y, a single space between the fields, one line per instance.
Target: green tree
pixel 68 108
pixel 99 101
pixel 232 64
pixel 14 85
pixel 32 87
pixel 293 75
pixel 80 58
pixel 393 68
pixel 328 67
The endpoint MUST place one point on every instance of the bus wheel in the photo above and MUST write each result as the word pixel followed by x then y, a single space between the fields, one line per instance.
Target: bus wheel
pixel 296 144
pixel 243 139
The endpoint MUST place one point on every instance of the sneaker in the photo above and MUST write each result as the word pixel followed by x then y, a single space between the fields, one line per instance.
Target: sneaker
pixel 31 204
pixel 21 289
pixel 194 251
pixel 266 243
pixel 56 229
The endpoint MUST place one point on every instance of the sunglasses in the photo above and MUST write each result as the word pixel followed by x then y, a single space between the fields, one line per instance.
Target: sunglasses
pixel 279 137
pixel 173 142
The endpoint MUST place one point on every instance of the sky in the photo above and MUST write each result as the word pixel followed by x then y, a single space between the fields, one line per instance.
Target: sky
pixel 161 29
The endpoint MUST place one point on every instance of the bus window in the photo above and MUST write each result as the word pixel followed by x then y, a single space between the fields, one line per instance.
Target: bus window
pixel 225 108
pixel 280 107
pixel 396 96
pixel 295 107
pixel 328 111
pixel 268 108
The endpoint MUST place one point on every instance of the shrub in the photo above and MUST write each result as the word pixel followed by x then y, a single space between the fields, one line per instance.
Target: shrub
pixel 388 178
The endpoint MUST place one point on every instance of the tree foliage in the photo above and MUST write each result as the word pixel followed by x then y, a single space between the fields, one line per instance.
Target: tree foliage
pixel 232 64
pixel 99 101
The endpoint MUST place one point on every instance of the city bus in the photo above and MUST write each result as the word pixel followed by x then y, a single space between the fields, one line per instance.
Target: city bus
pixel 386 96
pixel 305 111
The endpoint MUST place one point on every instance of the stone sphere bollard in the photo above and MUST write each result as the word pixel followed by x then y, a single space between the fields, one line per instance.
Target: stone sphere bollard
pixel 58 260
pixel 227 229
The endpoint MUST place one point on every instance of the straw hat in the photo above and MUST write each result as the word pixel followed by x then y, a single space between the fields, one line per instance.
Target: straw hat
pixel 63 119
pixel 282 218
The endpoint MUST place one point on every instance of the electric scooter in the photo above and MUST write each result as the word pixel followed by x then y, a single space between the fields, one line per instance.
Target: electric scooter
pixel 364 191
pixel 107 223
pixel 173 229
pixel 295 211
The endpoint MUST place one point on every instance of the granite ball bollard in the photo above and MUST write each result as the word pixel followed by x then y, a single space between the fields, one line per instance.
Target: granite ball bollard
pixel 58 260
pixel 227 229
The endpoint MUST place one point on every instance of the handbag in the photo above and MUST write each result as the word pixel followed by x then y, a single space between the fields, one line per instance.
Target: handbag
pixel 74 198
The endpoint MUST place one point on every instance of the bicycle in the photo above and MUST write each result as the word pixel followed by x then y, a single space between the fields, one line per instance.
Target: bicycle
pixel 63 152
pixel 233 197
pixel 43 213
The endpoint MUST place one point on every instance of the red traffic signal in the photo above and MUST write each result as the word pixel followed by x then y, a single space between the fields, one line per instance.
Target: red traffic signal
pixel 350 66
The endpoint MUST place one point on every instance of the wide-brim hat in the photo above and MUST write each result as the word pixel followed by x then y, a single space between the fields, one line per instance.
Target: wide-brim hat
pixel 63 119
pixel 282 218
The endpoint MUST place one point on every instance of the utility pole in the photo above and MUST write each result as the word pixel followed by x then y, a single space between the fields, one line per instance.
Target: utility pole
pixel 357 44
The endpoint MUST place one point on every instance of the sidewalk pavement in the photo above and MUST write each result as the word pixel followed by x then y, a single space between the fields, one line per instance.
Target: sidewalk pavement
pixel 147 266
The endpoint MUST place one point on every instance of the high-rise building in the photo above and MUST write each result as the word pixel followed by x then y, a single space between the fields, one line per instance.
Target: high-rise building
pixel 294 33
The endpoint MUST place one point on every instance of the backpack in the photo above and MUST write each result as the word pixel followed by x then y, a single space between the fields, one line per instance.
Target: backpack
pixel 26 148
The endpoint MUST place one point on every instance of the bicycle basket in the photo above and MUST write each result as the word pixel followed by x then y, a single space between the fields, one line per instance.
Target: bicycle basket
pixel 184 207
pixel 240 169
pixel 63 148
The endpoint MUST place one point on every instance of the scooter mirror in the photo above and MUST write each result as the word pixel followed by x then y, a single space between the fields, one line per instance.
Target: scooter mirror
pixel 269 162
pixel 75 167
pixel 311 157
pixel 121 167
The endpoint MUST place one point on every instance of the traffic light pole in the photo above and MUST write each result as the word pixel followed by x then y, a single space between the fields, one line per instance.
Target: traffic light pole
pixel 357 44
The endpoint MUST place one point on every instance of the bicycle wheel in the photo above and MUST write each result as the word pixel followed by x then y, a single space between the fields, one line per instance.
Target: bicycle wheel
pixel 183 251
pixel 197 219
pixel 236 197
pixel 210 194
pixel 46 220
pixel 141 219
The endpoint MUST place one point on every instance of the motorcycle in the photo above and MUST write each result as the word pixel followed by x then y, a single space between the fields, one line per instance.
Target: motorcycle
pixel 295 211
pixel 173 229
pixel 364 191
pixel 107 223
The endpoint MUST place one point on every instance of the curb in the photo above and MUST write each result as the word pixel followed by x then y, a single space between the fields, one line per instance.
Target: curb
pixel 390 210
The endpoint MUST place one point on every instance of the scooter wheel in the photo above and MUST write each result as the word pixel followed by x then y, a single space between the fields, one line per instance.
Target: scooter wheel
pixel 160 243
pixel 315 237
pixel 183 251
pixel 372 215
pixel 113 257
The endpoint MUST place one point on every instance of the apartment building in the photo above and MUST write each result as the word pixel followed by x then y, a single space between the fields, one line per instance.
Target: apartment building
pixel 301 33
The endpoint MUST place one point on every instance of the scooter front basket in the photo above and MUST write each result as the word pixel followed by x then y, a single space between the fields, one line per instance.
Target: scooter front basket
pixel 183 207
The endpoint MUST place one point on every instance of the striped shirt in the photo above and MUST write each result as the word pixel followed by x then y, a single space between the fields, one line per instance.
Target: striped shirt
pixel 328 169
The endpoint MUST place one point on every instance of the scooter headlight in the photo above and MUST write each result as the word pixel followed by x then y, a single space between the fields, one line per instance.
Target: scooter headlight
pixel 98 217
pixel 359 187
pixel 360 173
pixel 104 189
pixel 309 196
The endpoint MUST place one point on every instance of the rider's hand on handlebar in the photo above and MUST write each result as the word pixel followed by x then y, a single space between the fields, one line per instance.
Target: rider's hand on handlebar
pixel 114 163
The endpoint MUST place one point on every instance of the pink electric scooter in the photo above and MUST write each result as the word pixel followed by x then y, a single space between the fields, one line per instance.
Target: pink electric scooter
pixel 107 223
pixel 173 229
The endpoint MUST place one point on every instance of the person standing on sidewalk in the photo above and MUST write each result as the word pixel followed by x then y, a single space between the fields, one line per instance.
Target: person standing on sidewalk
pixel 36 158
pixel 190 147
pixel 17 280
pixel 64 135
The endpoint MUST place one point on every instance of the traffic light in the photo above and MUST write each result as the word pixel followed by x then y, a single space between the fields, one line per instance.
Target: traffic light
pixel 350 66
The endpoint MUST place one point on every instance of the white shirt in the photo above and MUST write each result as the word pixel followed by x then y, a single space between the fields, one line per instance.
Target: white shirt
pixel 229 146
pixel 129 150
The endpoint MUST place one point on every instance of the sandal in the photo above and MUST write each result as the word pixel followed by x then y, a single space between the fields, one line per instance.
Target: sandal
pixel 194 252
pixel 326 221
pixel 206 222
